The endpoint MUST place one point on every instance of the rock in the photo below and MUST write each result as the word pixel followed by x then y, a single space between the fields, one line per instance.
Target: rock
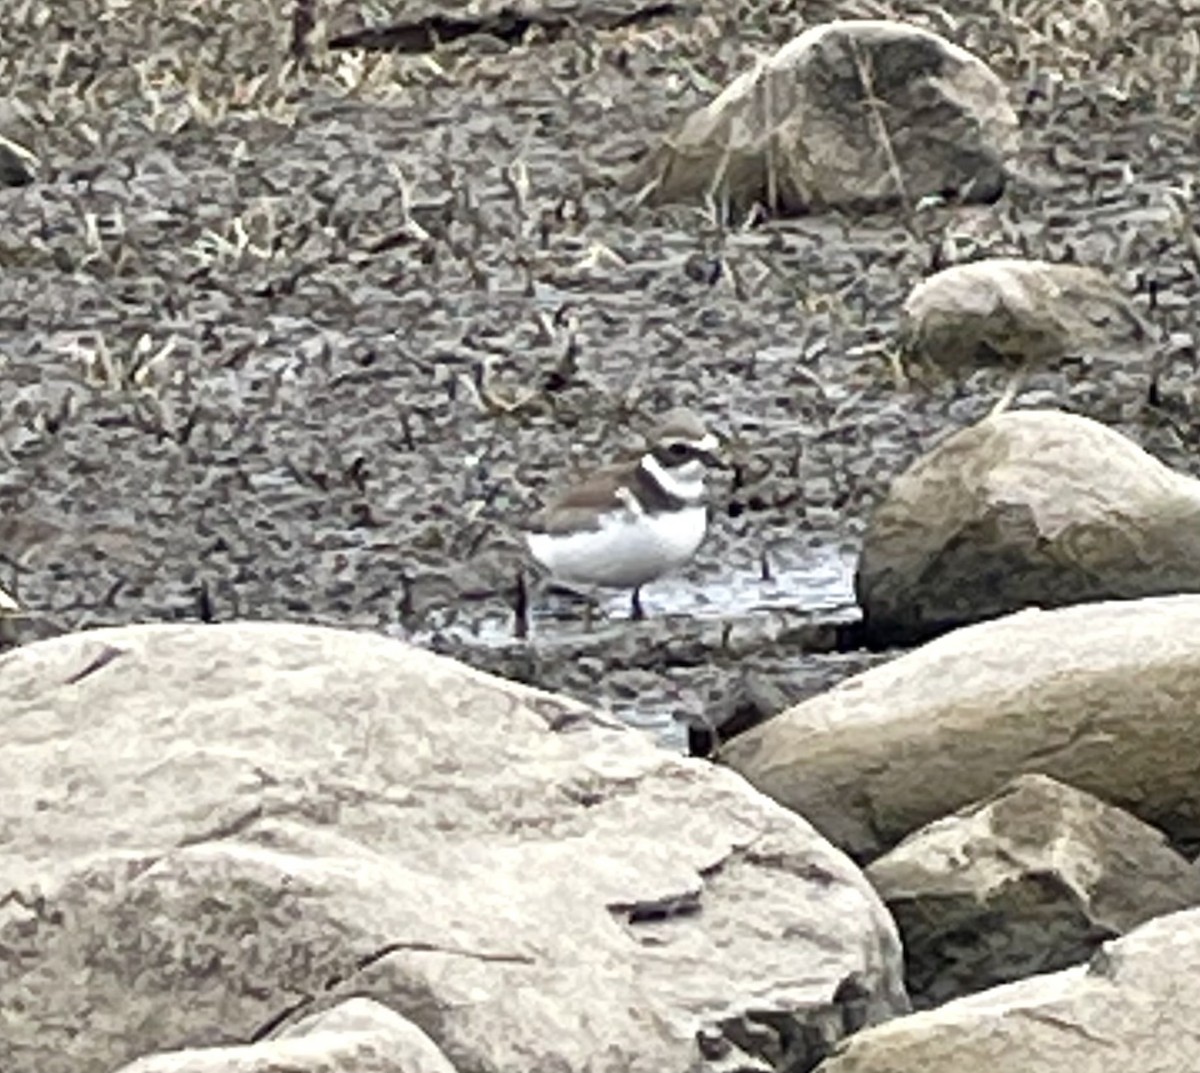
pixel 767 686
pixel 1026 507
pixel 359 1035
pixel 1031 880
pixel 850 113
pixel 213 831
pixel 1132 1007
pixel 432 25
pixel 17 164
pixel 1012 310
pixel 1100 696
pixel 751 698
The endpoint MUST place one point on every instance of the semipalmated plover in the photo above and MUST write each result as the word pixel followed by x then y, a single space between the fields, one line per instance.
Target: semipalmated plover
pixel 627 524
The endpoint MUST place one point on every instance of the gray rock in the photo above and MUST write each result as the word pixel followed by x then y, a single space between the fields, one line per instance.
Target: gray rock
pixel 213 831
pixel 1031 880
pixel 1133 1007
pixel 1101 696
pixel 1012 310
pixel 359 1035
pixel 858 113
pixel 1030 507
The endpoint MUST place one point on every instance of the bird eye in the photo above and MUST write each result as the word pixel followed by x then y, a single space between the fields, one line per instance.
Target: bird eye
pixel 678 450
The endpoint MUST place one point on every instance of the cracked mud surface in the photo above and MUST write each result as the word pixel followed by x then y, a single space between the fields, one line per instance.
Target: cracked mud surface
pixel 304 345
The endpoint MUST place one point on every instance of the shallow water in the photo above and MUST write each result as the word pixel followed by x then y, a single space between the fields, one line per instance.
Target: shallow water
pixel 818 579
pixel 809 581
pixel 649 673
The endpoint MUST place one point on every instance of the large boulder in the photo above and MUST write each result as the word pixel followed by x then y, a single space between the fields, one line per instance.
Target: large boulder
pixel 1103 697
pixel 1133 1007
pixel 211 832
pixel 850 113
pixel 359 1035
pixel 1031 880
pixel 1029 507
pixel 1011 310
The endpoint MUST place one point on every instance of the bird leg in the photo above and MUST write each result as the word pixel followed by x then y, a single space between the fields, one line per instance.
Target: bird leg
pixel 636 611
pixel 521 607
pixel 1154 390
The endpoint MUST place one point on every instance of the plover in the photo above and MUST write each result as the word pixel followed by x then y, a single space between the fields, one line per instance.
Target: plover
pixel 624 525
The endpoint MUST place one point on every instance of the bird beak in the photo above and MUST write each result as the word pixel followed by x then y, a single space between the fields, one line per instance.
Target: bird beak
pixel 712 452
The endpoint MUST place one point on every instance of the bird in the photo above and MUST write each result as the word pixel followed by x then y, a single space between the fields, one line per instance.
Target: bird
pixel 627 524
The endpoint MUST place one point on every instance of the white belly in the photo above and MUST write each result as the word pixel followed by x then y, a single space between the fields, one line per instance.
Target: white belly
pixel 628 551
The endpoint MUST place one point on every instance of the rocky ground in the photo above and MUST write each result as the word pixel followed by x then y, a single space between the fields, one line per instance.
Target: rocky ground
pixel 305 343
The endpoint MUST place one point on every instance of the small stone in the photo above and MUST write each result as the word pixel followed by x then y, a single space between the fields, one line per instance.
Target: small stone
pixel 1009 310
pixel 1133 1009
pixel 1031 880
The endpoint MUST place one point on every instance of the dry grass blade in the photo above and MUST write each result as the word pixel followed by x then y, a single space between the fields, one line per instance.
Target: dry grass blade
pixel 875 107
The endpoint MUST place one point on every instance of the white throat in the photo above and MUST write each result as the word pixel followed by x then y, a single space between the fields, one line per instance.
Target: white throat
pixel 684 482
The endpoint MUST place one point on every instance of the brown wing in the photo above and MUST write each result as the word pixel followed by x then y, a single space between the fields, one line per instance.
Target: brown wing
pixel 575 510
